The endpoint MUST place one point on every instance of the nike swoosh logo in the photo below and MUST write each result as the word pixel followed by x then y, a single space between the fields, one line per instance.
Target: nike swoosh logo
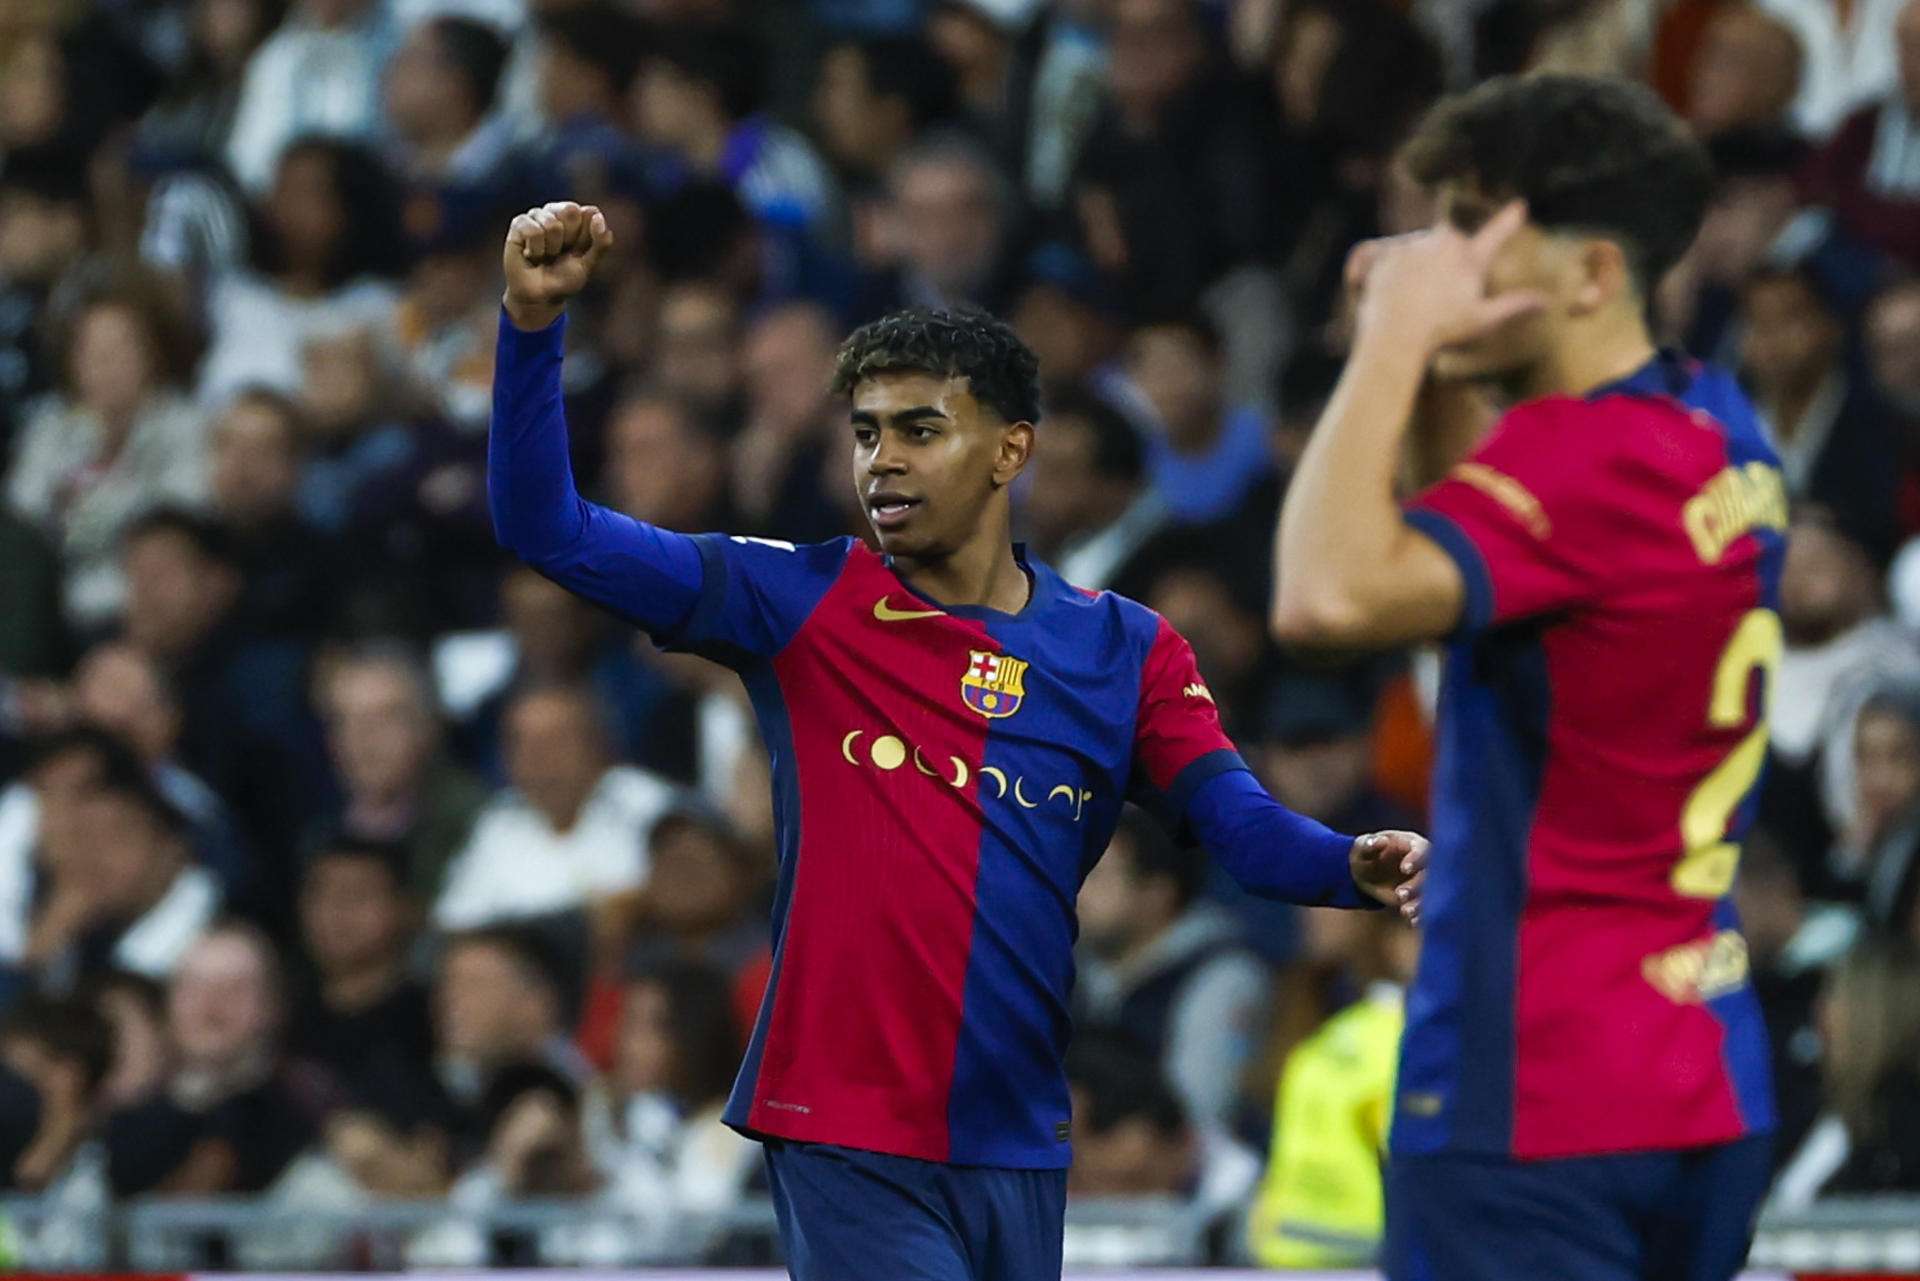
pixel 888 614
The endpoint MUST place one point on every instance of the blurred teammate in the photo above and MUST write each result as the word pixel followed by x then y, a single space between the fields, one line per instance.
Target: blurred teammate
pixel 1583 1091
pixel 953 730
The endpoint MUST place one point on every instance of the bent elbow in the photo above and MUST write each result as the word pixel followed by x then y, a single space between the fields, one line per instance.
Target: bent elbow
pixel 1316 620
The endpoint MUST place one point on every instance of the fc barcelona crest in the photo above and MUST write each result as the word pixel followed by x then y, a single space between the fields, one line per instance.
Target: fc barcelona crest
pixel 993 684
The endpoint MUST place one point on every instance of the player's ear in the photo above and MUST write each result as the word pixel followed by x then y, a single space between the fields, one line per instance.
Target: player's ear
pixel 1604 275
pixel 1016 449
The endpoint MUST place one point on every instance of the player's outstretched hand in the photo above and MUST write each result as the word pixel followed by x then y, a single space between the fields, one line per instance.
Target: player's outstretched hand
pixel 550 255
pixel 1392 867
pixel 1431 287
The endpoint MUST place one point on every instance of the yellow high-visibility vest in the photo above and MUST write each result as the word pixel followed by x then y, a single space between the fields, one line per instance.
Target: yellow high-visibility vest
pixel 1321 1204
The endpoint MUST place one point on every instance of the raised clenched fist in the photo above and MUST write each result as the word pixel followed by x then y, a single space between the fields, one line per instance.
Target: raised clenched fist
pixel 550 255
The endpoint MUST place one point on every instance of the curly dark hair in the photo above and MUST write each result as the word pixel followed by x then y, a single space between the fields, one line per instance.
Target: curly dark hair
pixel 1001 371
pixel 1585 152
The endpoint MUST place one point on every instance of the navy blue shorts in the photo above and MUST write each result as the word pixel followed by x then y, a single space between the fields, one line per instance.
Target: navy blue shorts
pixel 846 1215
pixel 1639 1216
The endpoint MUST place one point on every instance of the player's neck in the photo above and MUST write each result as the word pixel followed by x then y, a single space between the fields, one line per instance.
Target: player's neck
pixel 983 572
pixel 1590 355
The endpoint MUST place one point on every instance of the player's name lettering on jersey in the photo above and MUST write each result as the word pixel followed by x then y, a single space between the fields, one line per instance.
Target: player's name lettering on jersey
pixel 1197 690
pixel 888 752
pixel 1510 494
pixel 1699 971
pixel 1734 502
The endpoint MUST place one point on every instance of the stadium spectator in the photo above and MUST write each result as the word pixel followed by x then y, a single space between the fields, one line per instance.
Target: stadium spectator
pixel 1090 511
pixel 948 230
pixel 1850 57
pixel 348 406
pixel 235 1112
pixel 555 640
pixel 193 119
pixel 1321 1204
pixel 1166 970
pixel 1069 315
pixel 442 323
pixel 44 233
pixel 1746 72
pixel 119 439
pixel 1132 1137
pixel 653 1121
pixel 1832 433
pixel 32 626
pixel 698 353
pixel 127 894
pixel 699 97
pixel 258 456
pixel 322 250
pixel 664 467
pixel 572 831
pixel 60 1050
pixel 700 902
pixel 440 87
pixel 1205 457
pixel 1840 645
pixel 121 690
pixel 497 1000
pixel 363 1016
pixel 318 74
pixel 1868 1136
pixel 246 729
pixel 1893 346
pixel 981 42
pixel 588 55
pixel 1197 591
pixel 1316 753
pixel 1878 857
pixel 397 785
pixel 873 97
pixel 1792 944
pixel 791 425
pixel 1869 174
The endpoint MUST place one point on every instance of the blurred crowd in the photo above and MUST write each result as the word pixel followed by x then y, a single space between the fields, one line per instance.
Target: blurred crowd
pixel 342 859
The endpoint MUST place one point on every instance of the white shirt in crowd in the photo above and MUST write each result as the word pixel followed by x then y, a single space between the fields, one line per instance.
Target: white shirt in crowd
pixel 260 334
pixel 516 864
pixel 1846 64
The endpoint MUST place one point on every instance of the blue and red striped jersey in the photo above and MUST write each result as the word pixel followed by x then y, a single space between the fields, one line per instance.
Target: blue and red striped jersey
pixel 1583 988
pixel 943 779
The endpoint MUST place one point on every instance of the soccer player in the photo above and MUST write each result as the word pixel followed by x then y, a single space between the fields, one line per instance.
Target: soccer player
pixel 1583 1091
pixel 953 730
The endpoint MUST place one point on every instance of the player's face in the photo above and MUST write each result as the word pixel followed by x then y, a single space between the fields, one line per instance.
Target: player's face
pixel 1527 261
pixel 928 460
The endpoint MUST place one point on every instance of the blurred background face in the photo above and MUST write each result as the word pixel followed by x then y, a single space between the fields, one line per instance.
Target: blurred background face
pixel 1198 604
pixel 672 108
pixel 1318 777
pixel 788 365
pixel 1893 345
pixel 1110 900
pixel 1745 73
pixel 949 222
pixel 426 94
pixel 221 1008
pixel 38 236
pixel 119 690
pixel 850 120
pixel 175 596
pixel 380 733
pixel 112 362
pixel 484 1007
pixel 1827 586
pixel 554 754
pixel 645 1060
pixel 60 784
pixel 227 30
pixel 699 353
pixel 128 859
pixel 659 468
pixel 33 92
pixel 1180 378
pixel 1306 50
pixel 695 881
pixel 1155 51
pixel 552 629
pixel 255 463
pixel 1066 496
pixel 303 208
pixel 340 388
pixel 351 914
pixel 1886 766
pixel 1790 338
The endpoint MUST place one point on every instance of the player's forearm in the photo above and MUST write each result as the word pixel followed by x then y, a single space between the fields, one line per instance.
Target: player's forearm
pixel 1341 529
pixel 1270 850
pixel 646 574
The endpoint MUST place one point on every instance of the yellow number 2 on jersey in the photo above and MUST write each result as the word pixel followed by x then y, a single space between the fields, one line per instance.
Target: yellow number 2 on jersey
pixel 1706 869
